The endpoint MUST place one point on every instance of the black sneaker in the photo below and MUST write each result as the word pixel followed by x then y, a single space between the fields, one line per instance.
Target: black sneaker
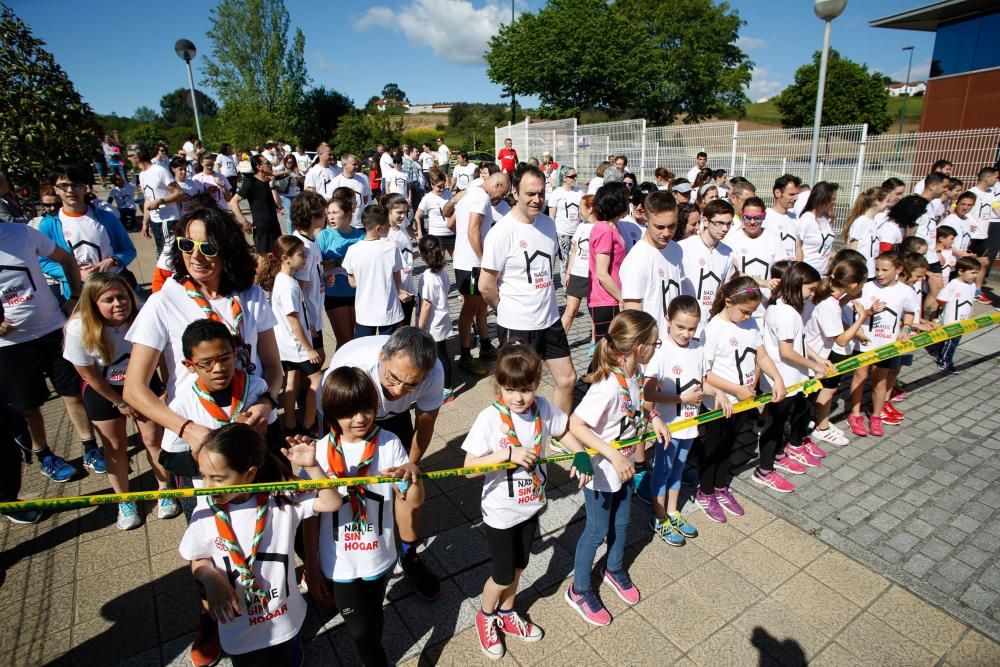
pixel 25 516
pixel 424 581
pixel 487 352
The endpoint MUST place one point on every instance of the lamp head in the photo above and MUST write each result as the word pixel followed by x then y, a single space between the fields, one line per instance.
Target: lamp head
pixel 907 48
pixel 185 50
pixel 828 10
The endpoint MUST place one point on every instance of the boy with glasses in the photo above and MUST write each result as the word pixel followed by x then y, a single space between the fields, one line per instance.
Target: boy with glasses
pixel 707 261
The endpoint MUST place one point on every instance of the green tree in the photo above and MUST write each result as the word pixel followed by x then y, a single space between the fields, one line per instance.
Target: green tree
pixel 145 115
pixel 853 95
pixel 392 91
pixel 43 119
pixel 175 106
pixel 320 112
pixel 358 132
pixel 658 62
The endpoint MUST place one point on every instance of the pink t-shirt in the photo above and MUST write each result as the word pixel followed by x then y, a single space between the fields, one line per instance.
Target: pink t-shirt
pixel 605 239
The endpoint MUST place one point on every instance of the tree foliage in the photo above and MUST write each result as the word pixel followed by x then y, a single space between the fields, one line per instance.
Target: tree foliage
pixel 392 91
pixel 852 95
pixel 43 119
pixel 175 106
pixel 321 111
pixel 659 63
pixel 358 131
pixel 145 115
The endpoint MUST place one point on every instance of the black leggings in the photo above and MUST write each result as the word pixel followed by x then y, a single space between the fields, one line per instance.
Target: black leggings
pixel 793 411
pixel 716 447
pixel 445 358
pixel 360 604
pixel 286 653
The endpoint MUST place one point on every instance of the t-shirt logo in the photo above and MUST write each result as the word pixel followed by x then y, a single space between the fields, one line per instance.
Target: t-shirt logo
pixel 14 294
pixel 572 210
pixel 708 282
pixel 669 289
pixel 523 244
pixel 760 271
pixel 677 370
pixel 745 371
pixel 541 277
pixel 824 249
pixel 883 324
pixel 681 388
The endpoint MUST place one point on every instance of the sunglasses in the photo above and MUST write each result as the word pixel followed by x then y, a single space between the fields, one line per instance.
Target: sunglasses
pixel 206 248
pixel 570 176
pixel 50 205
pixel 752 218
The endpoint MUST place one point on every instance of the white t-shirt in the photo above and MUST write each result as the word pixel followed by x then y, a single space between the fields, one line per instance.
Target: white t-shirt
pixel 884 327
pixel 631 232
pixel 112 370
pixel 443 155
pixel 817 240
pixel 124 196
pixel 824 322
pixel 693 172
pixel 26 298
pixel 348 551
pixel 434 287
pixel 320 178
pixel 509 496
pixel 225 165
pixel 704 271
pixel 962 234
pixel 781 323
pixel 567 206
pixel 927 228
pixel 167 313
pixel 654 277
pixel 475 201
pixel 864 231
pixel 983 211
pixel 958 297
pixel 784 225
pixel 220 185
pixel 800 202
pixel 464 175
pixel 888 231
pixel 362 193
pixel 155 183
pixel 678 369
pixel 523 255
pixel 311 281
pixel 606 413
pixel 257 627
pixel 404 243
pixel 426 159
pixel 595 183
pixel 372 263
pixel 581 238
pixel 731 353
pixel 754 257
pixel 286 298
pixel 395 182
pixel 432 205
pixel 88 239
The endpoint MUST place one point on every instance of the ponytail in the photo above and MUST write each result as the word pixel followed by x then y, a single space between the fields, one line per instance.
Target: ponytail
pixel 864 202
pixel 743 289
pixel 790 288
pixel 629 330
pixel 269 265
pixel 842 275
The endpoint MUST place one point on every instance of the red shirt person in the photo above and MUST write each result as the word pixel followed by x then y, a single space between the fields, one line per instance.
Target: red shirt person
pixel 507 157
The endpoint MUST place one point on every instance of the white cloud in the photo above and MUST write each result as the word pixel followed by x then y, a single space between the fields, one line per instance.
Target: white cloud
pixel 750 43
pixel 920 72
pixel 456 30
pixel 763 84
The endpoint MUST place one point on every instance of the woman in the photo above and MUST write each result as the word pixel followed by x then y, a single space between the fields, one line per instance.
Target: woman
pixel 816 225
pixel 213 278
pixel 707 194
pixel 288 182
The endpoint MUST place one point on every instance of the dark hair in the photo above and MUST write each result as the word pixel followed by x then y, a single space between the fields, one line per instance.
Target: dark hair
pixel 941 164
pixel 893 256
pixel 892 183
pixel 841 275
pixel 985 173
pixel 684 212
pixel 391 200
pixel 346 392
pixel 717 207
pixel 521 172
pixel 913 244
pixel 307 206
pixel 142 152
pixel 908 210
pixel 968 194
pixel 431 253
pixel 374 216
pixel 754 202
pixel 269 265
pixel 702 154
pixel 967 264
pixel 779 268
pixel 201 331
pixel 820 202
pixel 611 201
pixel 743 289
pixel 637 198
pixel 685 303
pixel 238 263
pixel 243 447
pixel 790 288
pixel 660 201
pixel 344 201
pixel 913 261
pixel 946 231
pixel 518 367
pixel 782 182
pixel 954 182
pixel 256 161
pixel 844 255
pixel 934 178
pixel 491 167
pixel 176 162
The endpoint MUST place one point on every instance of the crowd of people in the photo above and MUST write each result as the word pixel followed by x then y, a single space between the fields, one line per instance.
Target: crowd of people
pixel 698 292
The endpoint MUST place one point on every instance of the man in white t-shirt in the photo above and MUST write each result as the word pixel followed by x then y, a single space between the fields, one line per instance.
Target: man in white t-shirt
pixel 564 208
pixel 225 164
pixel 385 163
pixel 161 195
pixel 700 161
pixel 190 152
pixel 518 281
pixel 465 172
pixel 939 167
pixel 707 262
pixel 984 224
pixel 780 218
pixel 302 158
pixel 443 155
pixel 350 178
pixel 426 160
pixel 320 176
pixel 935 184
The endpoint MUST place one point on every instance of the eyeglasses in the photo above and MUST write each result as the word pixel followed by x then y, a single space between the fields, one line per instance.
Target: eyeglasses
pixel 50 205
pixel 393 381
pixel 224 360
pixel 66 187
pixel 722 223
pixel 752 218
pixel 206 248
pixel 570 176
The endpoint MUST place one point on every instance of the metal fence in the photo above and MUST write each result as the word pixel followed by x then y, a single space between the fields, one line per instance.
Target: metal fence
pixel 847 155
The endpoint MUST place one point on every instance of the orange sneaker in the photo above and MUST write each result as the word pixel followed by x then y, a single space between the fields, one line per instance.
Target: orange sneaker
pixel 206 649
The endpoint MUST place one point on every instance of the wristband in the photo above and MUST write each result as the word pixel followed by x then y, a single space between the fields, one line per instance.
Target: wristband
pixel 583 464
pixel 121 405
pixel 274 401
pixel 180 433
pixel 653 414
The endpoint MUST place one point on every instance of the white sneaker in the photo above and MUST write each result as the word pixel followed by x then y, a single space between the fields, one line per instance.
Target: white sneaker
pixel 836 430
pixel 128 516
pixel 167 508
pixel 831 436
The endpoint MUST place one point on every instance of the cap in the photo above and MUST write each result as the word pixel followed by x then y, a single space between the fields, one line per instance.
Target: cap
pixel 681 187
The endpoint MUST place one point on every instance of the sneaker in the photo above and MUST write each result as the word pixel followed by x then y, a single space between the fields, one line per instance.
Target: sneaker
pixel 489 640
pixel 857 424
pixel 487 352
pixel 589 606
pixel 622 585
pixel 55 468
pixel 448 396
pixel 25 516
pixel 898 394
pixel 801 455
pixel 813 448
pixel 128 516
pixel 557 447
pixel 835 429
pixel 875 426
pixel 890 409
pixel 591 349
pixel 683 526
pixel 729 502
pixel 513 625
pixel 424 581
pixel 789 465
pixel 93 460
pixel 982 298
pixel 888 418
pixel 831 436
pixel 949 369
pixel 641 484
pixel 167 508
pixel 666 531
pixel 710 505
pixel 772 480
pixel 470 365
pixel 206 650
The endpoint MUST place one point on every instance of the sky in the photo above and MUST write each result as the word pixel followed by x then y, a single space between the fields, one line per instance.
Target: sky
pixel 123 59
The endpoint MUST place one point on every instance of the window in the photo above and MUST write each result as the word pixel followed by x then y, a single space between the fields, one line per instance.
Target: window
pixel 966 46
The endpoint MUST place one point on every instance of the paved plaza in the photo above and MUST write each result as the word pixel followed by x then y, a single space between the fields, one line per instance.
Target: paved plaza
pixel 886 555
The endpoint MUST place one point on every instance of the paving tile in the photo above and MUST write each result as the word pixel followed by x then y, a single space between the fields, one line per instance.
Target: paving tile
pixel 109 594
pixel 730 647
pixel 807 597
pixel 930 627
pixel 686 618
pixel 833 656
pixel 772 617
pixel 629 635
pixel 873 642
pixel 51 612
pixel 848 577
pixel 758 565
pixel 716 582
pixel 791 543
pixel 974 650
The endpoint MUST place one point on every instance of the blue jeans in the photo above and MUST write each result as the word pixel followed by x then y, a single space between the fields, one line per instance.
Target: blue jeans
pixel 361 330
pixel 156 228
pixel 286 203
pixel 668 465
pixel 946 355
pixel 607 517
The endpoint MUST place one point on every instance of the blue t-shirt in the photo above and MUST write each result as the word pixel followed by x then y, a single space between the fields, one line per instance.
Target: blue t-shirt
pixel 333 245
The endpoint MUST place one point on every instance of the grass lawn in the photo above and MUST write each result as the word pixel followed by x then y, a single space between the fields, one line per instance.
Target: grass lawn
pixel 766 113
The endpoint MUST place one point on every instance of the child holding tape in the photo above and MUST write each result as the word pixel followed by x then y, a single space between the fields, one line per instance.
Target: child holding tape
pixel 515 429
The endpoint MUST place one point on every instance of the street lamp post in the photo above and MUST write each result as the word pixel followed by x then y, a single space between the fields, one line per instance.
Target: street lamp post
pixel 186 51
pixel 827 10
pixel 513 102
pixel 906 89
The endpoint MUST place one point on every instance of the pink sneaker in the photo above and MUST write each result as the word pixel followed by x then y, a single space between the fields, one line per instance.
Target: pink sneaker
pixel 875 426
pixel 728 501
pixel 789 465
pixel 772 480
pixel 801 455
pixel 710 506
pixel 622 585
pixel 513 625
pixel 857 424
pixel 588 606
pixel 489 640
pixel 813 448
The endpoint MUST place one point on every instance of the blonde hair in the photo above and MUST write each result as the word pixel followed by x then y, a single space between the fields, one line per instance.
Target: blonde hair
pixel 92 334
pixel 864 202
pixel 629 330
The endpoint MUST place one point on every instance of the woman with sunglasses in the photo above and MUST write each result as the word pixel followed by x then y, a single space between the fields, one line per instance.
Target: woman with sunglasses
pixel 755 250
pixel 214 279
pixel 564 208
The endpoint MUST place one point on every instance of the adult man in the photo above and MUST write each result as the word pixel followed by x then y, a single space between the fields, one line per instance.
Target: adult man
pixel 264 205
pixel 706 262
pixel 700 161
pixel 755 249
pixel 408 375
pixel 189 149
pixel 518 280
pixel 320 176
pixel 984 225
pixel 939 167
pixel 160 193
pixel 414 176
pixel 426 160
pixel 443 155
pixel 651 273
pixel 218 186
pixel 301 158
pixel 465 172
pixel 225 164
pixel 564 208
pixel 473 219
pixel 780 218
pixel 935 185
pixel 681 190
pixel 740 189
pixel 385 164
pixel 507 157
pixel 350 178
pixel 270 153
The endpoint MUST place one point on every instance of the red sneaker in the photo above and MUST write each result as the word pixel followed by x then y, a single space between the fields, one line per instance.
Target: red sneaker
pixel 512 625
pixel 890 409
pixel 888 418
pixel 875 426
pixel 857 424
pixel 206 649
pixel 489 640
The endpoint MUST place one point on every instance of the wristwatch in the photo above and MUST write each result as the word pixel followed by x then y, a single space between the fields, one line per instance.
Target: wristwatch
pixel 116 261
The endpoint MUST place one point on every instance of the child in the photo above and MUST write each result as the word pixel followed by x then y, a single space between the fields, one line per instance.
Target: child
pixel 578 269
pixel 354 554
pixel 960 222
pixel 299 359
pixel 515 429
pixel 892 305
pixel 123 194
pixel 435 318
pixel 945 241
pixel 861 234
pixel 396 207
pixel 675 383
pixel 308 218
pixel 373 268
pixel 612 410
pixel 239 545
pixel 95 344
pixel 333 243
pixel 828 333
pixel 956 305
